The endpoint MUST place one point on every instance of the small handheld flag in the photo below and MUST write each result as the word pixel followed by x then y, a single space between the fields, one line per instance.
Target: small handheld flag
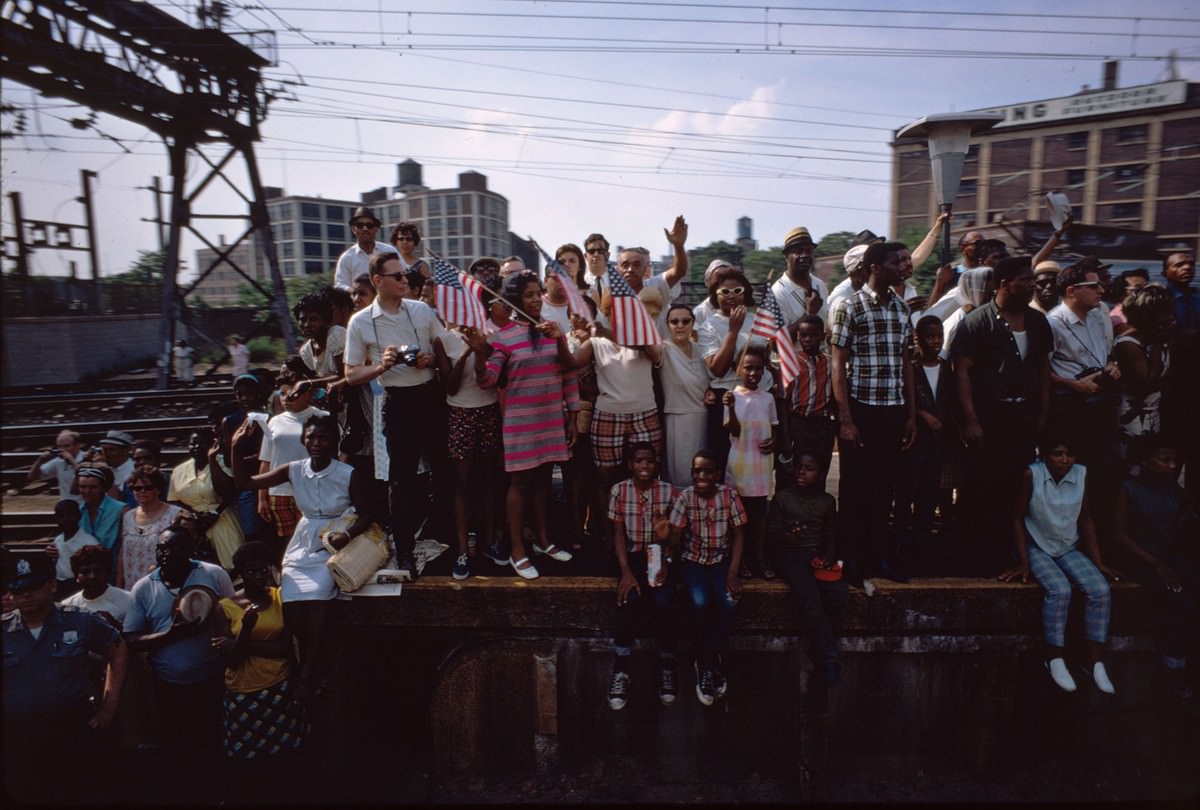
pixel 458 296
pixel 769 323
pixel 631 322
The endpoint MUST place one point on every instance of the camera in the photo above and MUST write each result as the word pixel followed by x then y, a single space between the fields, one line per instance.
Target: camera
pixel 408 355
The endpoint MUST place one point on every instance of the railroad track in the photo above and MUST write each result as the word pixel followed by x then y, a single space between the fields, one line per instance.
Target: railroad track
pixel 37 437
pixel 16 467
pixel 91 405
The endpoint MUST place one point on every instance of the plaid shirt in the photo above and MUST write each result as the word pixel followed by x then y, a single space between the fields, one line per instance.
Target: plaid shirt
pixel 706 522
pixel 877 334
pixel 637 510
pixel 813 387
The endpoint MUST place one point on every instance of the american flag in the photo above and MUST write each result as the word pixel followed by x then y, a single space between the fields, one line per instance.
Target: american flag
pixel 458 295
pixel 575 302
pixel 768 323
pixel 631 323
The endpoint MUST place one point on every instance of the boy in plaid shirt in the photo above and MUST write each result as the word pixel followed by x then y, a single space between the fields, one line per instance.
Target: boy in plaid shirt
pixel 706 523
pixel 637 511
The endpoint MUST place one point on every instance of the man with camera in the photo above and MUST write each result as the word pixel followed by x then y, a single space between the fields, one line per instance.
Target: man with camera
pixel 1084 379
pixel 392 340
pixel 60 462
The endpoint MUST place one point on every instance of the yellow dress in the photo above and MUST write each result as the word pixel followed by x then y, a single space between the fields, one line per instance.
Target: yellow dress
pixel 196 492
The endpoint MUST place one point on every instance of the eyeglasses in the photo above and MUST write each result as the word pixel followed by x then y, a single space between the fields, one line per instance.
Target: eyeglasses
pixel 361 225
pixel 597 251
pixel 403 238
pixel 730 290
pixel 680 321
pixel 397 275
pixel 1087 284
pixel 143 488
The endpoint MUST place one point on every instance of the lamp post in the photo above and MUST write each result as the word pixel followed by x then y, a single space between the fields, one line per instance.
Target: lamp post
pixel 948 134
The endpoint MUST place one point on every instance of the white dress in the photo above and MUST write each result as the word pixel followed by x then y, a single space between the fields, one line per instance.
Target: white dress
pixel 320 497
pixel 684 382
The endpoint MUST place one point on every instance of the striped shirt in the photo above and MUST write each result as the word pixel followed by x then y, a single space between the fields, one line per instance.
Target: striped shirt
pixel 637 509
pixel 813 387
pixel 535 396
pixel 877 332
pixel 706 522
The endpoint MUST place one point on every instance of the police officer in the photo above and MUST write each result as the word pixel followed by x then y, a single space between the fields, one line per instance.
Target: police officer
pixel 49 721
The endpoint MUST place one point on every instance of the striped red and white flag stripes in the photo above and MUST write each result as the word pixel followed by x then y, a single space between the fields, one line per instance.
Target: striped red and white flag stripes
pixel 458 296
pixel 631 323
pixel 769 323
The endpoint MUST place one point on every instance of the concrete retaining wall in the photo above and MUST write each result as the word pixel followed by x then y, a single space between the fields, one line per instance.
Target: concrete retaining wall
pixel 77 348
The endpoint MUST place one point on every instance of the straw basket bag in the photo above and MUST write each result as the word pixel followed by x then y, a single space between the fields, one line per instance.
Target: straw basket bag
pixel 357 562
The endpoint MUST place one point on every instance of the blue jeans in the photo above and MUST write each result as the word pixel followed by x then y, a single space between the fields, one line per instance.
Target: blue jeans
pixel 715 608
pixel 655 602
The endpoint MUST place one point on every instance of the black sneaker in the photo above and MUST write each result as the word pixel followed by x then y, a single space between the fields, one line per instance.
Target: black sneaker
pixel 408 568
pixel 618 690
pixel 462 567
pixel 495 554
pixel 720 685
pixel 705 689
pixel 666 686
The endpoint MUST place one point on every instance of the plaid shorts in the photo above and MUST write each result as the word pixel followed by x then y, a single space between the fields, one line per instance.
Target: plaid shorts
pixel 472 432
pixel 286 514
pixel 613 432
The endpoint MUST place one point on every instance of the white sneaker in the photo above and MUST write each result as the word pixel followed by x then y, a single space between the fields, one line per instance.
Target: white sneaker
pixel 1061 675
pixel 1100 676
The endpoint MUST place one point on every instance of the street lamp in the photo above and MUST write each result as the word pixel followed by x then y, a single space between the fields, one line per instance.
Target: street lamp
pixel 949 135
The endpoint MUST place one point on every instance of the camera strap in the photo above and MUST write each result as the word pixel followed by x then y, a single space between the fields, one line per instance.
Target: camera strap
pixel 1071 330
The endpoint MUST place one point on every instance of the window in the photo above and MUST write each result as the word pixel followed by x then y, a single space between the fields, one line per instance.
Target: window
pixel 1077 141
pixel 452 246
pixel 314 268
pixel 1075 177
pixel 289 250
pixel 310 211
pixel 451 203
pixel 467 225
pixel 289 268
pixel 416 208
pixel 1127 173
pixel 311 230
pixel 1135 134
pixel 335 232
pixel 973 152
pixel 1127 211
pixel 334 213
pixel 466 246
pixel 466 203
pixel 435 227
pixel 286 230
pixel 968 187
pixel 435 206
pixel 313 250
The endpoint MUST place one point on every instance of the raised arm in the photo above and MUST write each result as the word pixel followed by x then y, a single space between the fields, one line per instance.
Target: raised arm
pixel 677 236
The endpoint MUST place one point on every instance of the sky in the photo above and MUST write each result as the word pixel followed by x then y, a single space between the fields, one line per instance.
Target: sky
pixel 599 116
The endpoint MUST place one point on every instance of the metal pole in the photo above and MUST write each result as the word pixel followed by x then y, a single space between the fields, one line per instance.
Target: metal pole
pixel 260 218
pixel 156 187
pixel 177 154
pixel 14 199
pixel 86 177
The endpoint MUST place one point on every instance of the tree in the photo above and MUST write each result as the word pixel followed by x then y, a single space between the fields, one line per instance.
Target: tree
pixel 763 264
pixel 834 244
pixel 923 276
pixel 295 287
pixel 139 288
pixel 700 258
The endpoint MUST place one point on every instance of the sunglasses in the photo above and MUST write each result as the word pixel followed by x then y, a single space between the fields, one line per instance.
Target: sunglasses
pixel 730 290
pixel 398 275
pixel 680 321
pixel 597 251
pixel 360 225
pixel 143 488
pixel 404 239
pixel 1087 284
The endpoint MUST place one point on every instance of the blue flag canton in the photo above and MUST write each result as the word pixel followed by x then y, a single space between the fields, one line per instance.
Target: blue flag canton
pixel 444 273
pixel 619 285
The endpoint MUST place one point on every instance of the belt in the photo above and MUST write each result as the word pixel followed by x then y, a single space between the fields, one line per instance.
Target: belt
pixel 1012 400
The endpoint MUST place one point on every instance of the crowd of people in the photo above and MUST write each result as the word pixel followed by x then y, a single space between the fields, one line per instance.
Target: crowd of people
pixel 1024 420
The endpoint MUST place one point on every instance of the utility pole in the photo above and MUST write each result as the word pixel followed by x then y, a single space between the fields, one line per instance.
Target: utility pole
pixel 14 198
pixel 86 178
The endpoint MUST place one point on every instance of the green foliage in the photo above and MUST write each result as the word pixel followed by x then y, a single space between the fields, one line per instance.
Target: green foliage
pixel 266 349
pixel 923 276
pixel 700 258
pixel 295 288
pixel 834 244
pixel 761 264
